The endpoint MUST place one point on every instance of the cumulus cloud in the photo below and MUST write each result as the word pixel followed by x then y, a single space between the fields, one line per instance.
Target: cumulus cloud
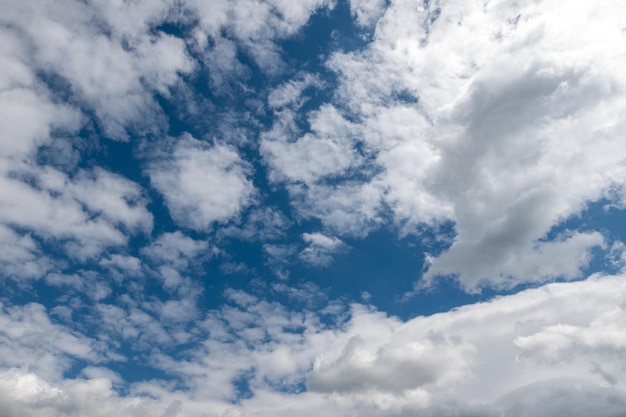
pixel 23 393
pixel 483 359
pixel 500 264
pixel 289 94
pixel 395 369
pixel 367 12
pixel 30 339
pixel 20 256
pixel 175 250
pixel 105 61
pixel 263 224
pixel 503 119
pixel 202 184
pixel 383 366
pixel 321 248
pixel 325 152
pixel 92 210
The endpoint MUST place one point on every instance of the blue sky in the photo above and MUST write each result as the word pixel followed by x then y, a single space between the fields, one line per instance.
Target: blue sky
pixel 277 208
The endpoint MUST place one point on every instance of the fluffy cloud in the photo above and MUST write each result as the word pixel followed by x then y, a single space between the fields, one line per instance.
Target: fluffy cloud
pixel 255 25
pixel 395 369
pixel 321 248
pixel 29 339
pixel 326 152
pixel 20 256
pixel 503 119
pixel 99 57
pixel 175 250
pixel 202 184
pixel 554 349
pixel 26 394
pixel 90 211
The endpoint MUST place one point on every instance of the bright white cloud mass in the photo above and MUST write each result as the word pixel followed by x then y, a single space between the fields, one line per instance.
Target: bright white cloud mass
pixel 301 208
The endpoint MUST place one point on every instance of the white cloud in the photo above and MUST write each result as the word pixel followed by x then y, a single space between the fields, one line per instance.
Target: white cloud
pixel 367 12
pixel 86 283
pixel 107 59
pixel 326 151
pixel 254 25
pixel 538 352
pixel 391 369
pixel 116 198
pixel 24 393
pixel 504 119
pixel 202 184
pixel 446 364
pixel 321 248
pixel 499 263
pixel 21 257
pixel 93 208
pixel 29 339
pixel 289 94
pixel 123 264
pixel 175 249
pixel 262 224
pixel 110 64
pixel 351 209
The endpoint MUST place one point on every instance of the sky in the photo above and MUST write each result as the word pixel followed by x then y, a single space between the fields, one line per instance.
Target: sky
pixel 266 208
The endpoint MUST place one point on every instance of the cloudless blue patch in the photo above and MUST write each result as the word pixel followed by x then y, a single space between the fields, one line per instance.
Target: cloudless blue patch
pixel 601 216
pixel 242 386
pixel 174 115
pixel 405 96
pixel 385 267
pixel 137 369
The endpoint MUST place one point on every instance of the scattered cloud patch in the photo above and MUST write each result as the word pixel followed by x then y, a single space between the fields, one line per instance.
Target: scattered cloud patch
pixel 202 184
pixel 321 248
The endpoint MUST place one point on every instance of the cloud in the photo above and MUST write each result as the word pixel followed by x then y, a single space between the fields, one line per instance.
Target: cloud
pixel 395 369
pixel 321 248
pixel 367 12
pixel 20 256
pixel 503 119
pixel 552 398
pixel 444 364
pixel 262 224
pixel 25 394
pixel 29 339
pixel 325 152
pixel 484 359
pixel 350 209
pixel 122 264
pixel 202 184
pixel 62 68
pixel 500 264
pixel 107 63
pixel 227 29
pixel 93 209
pixel 175 250
pixel 289 94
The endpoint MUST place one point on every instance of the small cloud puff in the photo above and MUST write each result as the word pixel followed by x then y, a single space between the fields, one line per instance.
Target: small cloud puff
pixel 321 249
